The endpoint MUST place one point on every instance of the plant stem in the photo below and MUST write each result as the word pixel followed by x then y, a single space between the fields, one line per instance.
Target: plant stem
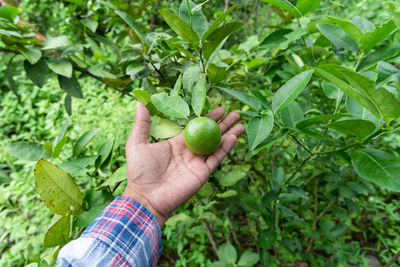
pixel 211 237
pixel 190 13
pixel 301 144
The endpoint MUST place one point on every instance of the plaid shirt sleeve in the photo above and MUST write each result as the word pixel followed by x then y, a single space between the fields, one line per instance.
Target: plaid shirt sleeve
pixel 124 234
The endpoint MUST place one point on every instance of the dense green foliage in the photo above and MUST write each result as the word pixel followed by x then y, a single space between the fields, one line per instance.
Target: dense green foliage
pixel 315 180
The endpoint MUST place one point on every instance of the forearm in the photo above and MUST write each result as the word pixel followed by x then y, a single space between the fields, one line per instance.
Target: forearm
pixel 124 233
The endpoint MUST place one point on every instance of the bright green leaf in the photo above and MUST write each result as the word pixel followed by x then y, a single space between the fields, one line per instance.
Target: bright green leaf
pixel 70 86
pixel 163 128
pixel 83 141
pixel 58 233
pixel 26 150
pixel 259 129
pixel 199 93
pixel 173 106
pixel 61 67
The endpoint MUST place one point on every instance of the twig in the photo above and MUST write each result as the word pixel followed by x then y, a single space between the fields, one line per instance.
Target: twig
pixel 235 238
pixel 393 259
pixel 211 237
pixel 300 143
pixel 316 219
pixel 226 5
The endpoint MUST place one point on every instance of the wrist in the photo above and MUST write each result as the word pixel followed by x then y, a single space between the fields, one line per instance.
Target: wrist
pixel 143 201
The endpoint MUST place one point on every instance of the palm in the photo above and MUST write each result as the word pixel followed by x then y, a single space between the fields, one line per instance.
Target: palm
pixel 166 174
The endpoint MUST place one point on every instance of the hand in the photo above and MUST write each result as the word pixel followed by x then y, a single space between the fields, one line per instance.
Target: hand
pixel 162 176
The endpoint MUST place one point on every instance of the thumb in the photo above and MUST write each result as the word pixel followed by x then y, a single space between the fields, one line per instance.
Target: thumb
pixel 141 126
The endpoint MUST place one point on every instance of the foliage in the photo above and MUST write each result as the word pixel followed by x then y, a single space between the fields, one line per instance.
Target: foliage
pixel 316 83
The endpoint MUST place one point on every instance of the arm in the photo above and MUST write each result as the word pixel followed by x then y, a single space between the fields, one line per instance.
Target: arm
pixel 161 177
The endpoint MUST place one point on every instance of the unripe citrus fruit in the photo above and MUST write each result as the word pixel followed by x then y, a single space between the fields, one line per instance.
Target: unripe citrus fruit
pixel 202 135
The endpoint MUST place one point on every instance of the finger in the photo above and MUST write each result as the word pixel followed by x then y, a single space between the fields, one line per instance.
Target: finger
pixel 236 130
pixel 141 126
pixel 229 120
pixel 216 114
pixel 215 158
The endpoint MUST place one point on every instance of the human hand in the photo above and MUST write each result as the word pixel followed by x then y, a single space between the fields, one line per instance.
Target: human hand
pixel 162 176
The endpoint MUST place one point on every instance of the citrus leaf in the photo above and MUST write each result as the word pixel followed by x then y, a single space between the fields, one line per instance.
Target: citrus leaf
pixel 36 72
pixel 31 54
pixel 83 141
pixel 371 39
pixel 163 128
pixel 61 67
pixel 173 106
pixel 245 98
pixel 218 36
pixel 218 22
pixel 199 93
pixel 320 118
pixel 357 127
pixel 105 152
pixel 338 36
pixel 378 167
pixel 129 20
pixel 259 129
pixel 290 90
pixel 29 151
pixel 180 27
pixel 119 175
pixel 57 189
pixel 199 21
pixel 58 233
pixel 56 42
pixel 248 258
pixel 70 86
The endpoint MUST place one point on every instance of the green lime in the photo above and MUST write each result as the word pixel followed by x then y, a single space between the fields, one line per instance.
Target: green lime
pixel 202 135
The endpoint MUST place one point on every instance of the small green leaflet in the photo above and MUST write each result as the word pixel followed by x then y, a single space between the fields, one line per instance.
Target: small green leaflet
pixel 259 129
pixel 290 90
pixel 378 167
pixel 173 106
pixel 199 95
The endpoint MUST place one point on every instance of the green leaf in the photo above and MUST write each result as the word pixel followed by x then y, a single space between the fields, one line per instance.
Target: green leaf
pixel 259 129
pixel 229 178
pixel 218 36
pixel 83 141
pixel 37 72
pixel 58 233
pixel 385 53
pixel 70 86
pixel 227 253
pixel 248 258
pixel 190 76
pixel 61 67
pixel 177 86
pixel 173 106
pixel 8 12
pixel 90 24
pixel 349 27
pixel 292 114
pixel 226 194
pixel 180 217
pixel 290 90
pixel 378 167
pixel 129 20
pixel 101 73
pixel 31 54
pixel 58 147
pixel 56 42
pixel 68 102
pixel 357 127
pixel 276 37
pixel 218 22
pixel 371 39
pixel 245 98
pixel 363 24
pixel 379 101
pixel 180 27
pixel 105 152
pixel 57 189
pixel 199 95
pixel 163 128
pixel 119 175
pixel 387 73
pixel 320 118
pixel 216 74
pixel 97 201
pixel 10 78
pixel 29 151
pixel 218 264
pixel 135 67
pixel 77 167
pixel 199 21
pixel 357 110
pixel 338 36
pixel 142 96
pixel 306 6
pixel 285 5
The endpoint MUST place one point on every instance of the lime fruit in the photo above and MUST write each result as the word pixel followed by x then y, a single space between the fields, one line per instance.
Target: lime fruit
pixel 202 135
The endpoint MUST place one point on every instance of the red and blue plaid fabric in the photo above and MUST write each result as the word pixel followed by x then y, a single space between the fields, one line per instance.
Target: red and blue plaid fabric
pixel 124 234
